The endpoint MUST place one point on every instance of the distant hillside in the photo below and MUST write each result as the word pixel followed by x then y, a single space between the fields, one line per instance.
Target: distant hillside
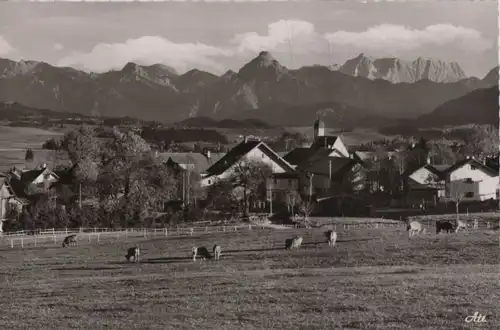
pixel 477 107
pixel 224 123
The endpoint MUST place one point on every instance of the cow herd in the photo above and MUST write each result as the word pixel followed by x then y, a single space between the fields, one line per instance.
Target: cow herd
pixel 413 228
pixel 416 227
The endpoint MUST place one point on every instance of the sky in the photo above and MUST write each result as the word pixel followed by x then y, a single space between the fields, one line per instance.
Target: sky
pixel 218 36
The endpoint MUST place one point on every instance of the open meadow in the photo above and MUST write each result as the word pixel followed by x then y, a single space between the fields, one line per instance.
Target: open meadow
pixel 372 279
pixel 14 141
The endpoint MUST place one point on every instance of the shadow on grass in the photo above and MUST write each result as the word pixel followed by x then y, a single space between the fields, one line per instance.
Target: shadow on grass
pixel 86 268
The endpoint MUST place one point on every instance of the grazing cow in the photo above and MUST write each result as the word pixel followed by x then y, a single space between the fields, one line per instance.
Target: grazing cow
pixel 133 252
pixel 69 240
pixel 461 225
pixel 415 227
pixel 292 243
pixel 444 226
pixel 217 251
pixel 200 251
pixel 331 237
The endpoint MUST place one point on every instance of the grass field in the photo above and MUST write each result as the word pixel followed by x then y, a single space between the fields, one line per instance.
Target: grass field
pixel 14 141
pixel 372 279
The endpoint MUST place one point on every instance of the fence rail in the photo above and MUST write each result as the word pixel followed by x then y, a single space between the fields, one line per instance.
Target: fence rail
pixel 56 236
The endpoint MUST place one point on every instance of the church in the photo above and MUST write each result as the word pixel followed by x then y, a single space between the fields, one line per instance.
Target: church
pixel 323 165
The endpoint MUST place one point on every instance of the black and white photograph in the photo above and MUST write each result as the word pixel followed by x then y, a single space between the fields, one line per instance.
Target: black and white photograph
pixel 249 165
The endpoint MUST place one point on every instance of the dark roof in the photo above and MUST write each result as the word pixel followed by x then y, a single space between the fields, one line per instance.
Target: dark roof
pixel 241 150
pixel 286 175
pixel 421 186
pixel 199 161
pixel 324 141
pixel 298 155
pixel 28 177
pixel 321 165
pixel 232 157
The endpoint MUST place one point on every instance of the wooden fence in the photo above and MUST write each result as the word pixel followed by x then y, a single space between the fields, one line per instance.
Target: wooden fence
pixel 56 236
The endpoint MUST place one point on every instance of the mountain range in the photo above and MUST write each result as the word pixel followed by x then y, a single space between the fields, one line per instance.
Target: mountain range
pixel 361 90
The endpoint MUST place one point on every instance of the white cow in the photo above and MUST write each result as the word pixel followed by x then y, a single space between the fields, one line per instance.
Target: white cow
pixel 331 237
pixel 415 227
pixel 461 224
pixel 217 251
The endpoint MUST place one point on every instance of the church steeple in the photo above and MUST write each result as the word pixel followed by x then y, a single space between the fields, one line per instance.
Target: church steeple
pixel 319 128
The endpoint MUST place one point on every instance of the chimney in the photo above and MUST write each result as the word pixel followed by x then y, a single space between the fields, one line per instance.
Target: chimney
pixel 245 139
pixel 429 160
pixel 44 165
pixel 207 153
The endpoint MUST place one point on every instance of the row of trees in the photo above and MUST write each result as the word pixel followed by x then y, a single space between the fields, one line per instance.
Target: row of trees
pixel 120 178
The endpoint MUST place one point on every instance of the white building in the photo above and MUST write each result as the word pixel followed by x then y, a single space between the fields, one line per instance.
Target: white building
pixel 247 150
pixel 469 180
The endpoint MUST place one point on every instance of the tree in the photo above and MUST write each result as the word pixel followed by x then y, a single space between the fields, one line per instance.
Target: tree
pixel 249 178
pixel 221 196
pixel 82 143
pixel 292 199
pixel 306 208
pixel 484 140
pixel 457 198
pixel 30 156
pixel 133 184
pixel 441 152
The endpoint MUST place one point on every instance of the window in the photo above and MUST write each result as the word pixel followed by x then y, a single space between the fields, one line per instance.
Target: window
pixel 290 182
pixel 468 180
pixel 469 194
pixel 46 176
pixel 209 181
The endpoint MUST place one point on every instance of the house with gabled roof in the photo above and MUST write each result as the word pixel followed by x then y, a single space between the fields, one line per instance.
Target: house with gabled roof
pixel 467 180
pixel 252 150
pixel 198 162
pixel 9 200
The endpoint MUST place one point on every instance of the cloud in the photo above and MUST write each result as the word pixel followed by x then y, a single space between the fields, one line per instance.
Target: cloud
pixel 283 36
pixel 395 38
pixel 5 48
pixel 147 50
pixel 58 47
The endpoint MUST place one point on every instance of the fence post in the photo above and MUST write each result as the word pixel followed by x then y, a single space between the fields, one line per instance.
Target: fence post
pixel 166 232
pixel 206 229
pixel 35 239
pixel 98 237
pixel 249 227
pixel 145 234
pixel 476 224
pixel 488 225
pixel 224 228
pixel 11 244
pixel 191 231
pixel 22 242
pixel 81 229
pixel 66 231
pixel 55 239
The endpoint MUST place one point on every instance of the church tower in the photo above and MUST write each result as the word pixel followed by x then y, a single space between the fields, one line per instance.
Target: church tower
pixel 319 128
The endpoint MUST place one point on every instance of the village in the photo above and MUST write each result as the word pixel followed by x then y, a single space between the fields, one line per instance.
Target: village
pixel 321 179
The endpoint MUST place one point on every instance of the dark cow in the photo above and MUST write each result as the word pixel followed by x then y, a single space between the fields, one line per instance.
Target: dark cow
pixel 69 240
pixel 445 226
pixel 331 237
pixel 133 252
pixel 200 251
